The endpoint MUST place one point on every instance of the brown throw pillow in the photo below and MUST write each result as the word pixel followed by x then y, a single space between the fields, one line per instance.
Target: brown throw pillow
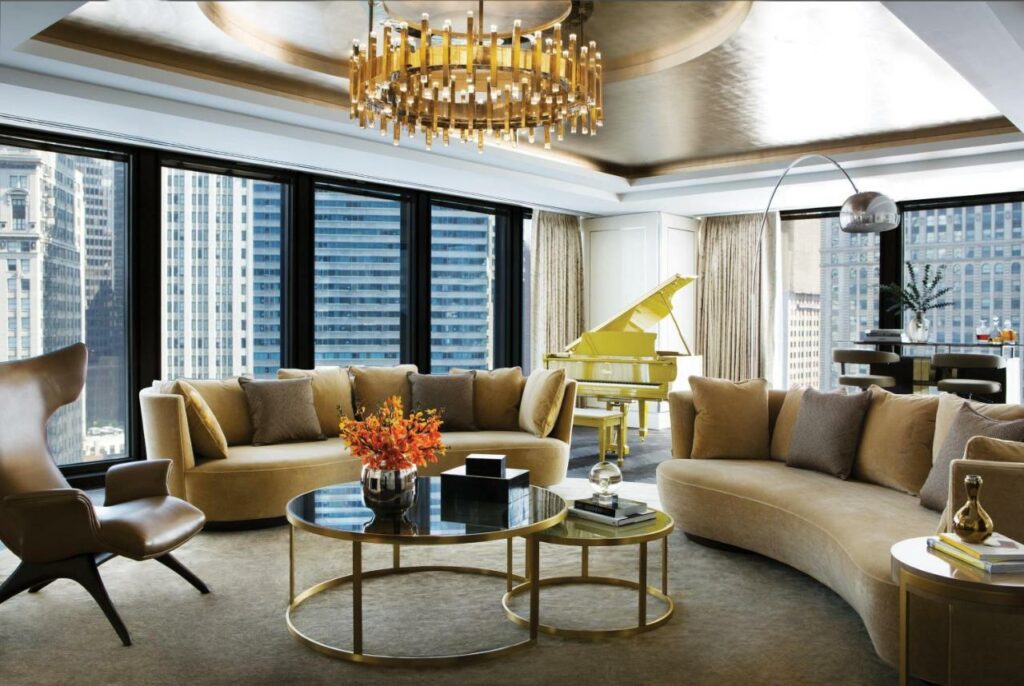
pixel 282 411
pixel 732 418
pixel 451 396
pixel 496 398
pixel 949 407
pixel 827 431
pixel 967 424
pixel 896 442
pixel 373 385
pixel 332 394
pixel 542 399
pixel 204 430
pixel 782 432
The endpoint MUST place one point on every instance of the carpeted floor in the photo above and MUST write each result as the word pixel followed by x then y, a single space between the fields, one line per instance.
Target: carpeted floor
pixel 739 618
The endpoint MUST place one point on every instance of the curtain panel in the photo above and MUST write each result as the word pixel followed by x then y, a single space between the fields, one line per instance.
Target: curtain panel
pixel 736 296
pixel 556 283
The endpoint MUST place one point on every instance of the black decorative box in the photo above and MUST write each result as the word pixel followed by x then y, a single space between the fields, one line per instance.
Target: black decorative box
pixel 479 516
pixel 457 485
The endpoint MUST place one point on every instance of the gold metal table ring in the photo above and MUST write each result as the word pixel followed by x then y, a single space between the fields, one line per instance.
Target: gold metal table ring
pixel 560 535
pixel 358 575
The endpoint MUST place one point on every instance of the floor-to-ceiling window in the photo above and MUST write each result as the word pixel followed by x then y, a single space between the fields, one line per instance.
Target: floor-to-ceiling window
pixel 829 291
pixel 63 250
pixel 461 288
pixel 221 274
pixel 359 285
pixel 978 246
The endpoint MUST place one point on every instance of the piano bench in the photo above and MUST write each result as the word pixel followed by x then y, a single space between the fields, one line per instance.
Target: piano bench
pixel 606 422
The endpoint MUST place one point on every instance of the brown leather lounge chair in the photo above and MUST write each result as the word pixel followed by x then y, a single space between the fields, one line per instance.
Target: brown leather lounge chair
pixel 55 529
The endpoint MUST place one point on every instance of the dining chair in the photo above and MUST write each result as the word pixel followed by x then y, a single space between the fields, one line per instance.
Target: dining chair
pixel 845 356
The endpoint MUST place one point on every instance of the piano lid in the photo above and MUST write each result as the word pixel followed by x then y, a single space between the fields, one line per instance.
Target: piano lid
pixel 645 312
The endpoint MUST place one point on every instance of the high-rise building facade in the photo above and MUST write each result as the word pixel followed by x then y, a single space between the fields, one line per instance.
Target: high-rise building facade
pixel 42 243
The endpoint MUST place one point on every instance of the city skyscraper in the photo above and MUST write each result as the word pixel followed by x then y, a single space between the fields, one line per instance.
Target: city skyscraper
pixel 42 253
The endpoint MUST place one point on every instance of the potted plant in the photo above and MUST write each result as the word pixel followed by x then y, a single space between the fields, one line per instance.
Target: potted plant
pixel 919 298
pixel 391 446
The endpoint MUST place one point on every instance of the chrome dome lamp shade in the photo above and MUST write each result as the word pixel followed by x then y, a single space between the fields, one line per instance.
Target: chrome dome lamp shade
pixel 868 212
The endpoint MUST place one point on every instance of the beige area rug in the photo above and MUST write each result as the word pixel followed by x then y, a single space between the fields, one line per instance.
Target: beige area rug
pixel 740 618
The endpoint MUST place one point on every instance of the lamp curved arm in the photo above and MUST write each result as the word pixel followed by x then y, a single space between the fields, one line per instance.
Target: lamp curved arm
pixel 771 198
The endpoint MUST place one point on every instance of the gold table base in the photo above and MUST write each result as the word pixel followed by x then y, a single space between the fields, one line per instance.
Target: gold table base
pixel 641 626
pixel 356 654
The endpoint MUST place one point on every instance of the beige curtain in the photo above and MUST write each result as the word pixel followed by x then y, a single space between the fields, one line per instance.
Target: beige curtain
pixel 556 283
pixel 733 296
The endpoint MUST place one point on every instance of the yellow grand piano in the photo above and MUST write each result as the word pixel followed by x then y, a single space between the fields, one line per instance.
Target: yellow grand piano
pixel 616 362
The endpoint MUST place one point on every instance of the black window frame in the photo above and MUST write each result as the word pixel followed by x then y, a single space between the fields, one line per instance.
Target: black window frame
pixel 144 206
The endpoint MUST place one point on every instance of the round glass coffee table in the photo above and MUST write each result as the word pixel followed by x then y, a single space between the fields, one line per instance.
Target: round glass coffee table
pixel 587 534
pixel 339 512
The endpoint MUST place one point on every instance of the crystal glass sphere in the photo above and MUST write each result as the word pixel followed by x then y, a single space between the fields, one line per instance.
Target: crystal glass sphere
pixel 605 479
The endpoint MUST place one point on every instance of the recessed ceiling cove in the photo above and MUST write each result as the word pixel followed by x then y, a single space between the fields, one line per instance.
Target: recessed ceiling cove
pixel 686 84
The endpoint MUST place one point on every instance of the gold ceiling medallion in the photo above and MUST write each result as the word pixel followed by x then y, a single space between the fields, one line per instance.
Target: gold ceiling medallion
pixel 476 83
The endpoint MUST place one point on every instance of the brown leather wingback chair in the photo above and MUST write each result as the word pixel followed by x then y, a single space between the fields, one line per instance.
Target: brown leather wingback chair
pixel 54 529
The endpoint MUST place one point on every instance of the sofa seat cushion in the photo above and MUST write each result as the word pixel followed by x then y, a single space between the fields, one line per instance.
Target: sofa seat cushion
pixel 838 532
pixel 546 458
pixel 272 457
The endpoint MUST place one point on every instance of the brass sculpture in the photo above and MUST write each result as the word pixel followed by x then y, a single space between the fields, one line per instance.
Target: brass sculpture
pixel 971 523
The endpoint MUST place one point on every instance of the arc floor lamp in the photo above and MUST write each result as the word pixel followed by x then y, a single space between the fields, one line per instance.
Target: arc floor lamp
pixel 862 212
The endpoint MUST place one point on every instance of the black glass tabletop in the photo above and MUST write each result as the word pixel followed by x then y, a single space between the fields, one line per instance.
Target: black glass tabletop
pixel 339 511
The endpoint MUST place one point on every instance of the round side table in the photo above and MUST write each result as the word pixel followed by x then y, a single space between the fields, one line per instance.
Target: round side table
pixel 930 575
pixel 586 534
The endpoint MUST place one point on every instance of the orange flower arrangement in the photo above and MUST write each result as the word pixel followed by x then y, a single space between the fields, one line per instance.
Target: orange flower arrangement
pixel 390 440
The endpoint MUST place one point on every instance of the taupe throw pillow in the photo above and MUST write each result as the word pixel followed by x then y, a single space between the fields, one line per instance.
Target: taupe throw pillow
pixel 827 431
pixel 542 399
pixel 451 396
pixel 374 385
pixel 496 397
pixel 282 411
pixel 967 424
pixel 732 418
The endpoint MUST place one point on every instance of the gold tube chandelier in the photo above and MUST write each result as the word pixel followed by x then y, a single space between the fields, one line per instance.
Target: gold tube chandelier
pixel 467 85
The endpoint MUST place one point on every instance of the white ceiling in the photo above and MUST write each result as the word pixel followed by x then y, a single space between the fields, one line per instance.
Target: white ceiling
pixel 50 86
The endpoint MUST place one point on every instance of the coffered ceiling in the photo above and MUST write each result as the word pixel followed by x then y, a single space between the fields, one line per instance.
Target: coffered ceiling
pixel 690 84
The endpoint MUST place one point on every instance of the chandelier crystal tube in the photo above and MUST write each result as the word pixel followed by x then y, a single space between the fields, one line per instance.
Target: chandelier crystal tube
pixel 475 84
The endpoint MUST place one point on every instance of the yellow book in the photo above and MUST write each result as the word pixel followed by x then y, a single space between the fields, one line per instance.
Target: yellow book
pixel 996 548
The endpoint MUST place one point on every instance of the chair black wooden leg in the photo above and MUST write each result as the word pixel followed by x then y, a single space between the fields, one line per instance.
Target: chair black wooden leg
pixel 100 559
pixel 28 575
pixel 82 569
pixel 172 563
pixel 87 574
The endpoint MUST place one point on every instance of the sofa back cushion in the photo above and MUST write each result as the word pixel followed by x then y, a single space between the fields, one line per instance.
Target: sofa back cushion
pixel 204 431
pixel 332 394
pixel 542 400
pixel 451 396
pixel 226 400
pixel 497 395
pixel 949 407
pixel 785 420
pixel 896 442
pixel 967 424
pixel 371 386
pixel 731 418
pixel 282 410
pixel 827 432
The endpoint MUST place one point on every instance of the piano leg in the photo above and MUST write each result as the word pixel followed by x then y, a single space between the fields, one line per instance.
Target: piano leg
pixel 642 411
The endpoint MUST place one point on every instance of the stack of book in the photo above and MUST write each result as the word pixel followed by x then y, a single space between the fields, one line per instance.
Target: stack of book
pixel 883 335
pixel 998 554
pixel 618 512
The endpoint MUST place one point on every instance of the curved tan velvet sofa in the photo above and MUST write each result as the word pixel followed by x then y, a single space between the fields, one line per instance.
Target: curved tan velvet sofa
pixel 256 482
pixel 838 532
